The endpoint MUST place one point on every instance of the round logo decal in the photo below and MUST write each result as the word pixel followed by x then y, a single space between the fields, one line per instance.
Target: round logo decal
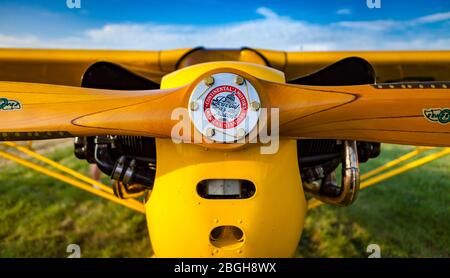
pixel 225 107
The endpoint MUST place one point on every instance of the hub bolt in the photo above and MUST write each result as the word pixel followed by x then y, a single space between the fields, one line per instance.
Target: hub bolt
pixel 239 80
pixel 210 132
pixel 209 81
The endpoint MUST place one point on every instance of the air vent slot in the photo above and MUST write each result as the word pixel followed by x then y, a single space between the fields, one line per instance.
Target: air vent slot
pixel 226 189
pixel 227 237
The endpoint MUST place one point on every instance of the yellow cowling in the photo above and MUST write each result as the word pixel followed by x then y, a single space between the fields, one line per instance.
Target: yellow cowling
pixel 180 221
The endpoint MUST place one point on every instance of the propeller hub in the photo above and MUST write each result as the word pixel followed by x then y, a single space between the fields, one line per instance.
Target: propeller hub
pixel 225 107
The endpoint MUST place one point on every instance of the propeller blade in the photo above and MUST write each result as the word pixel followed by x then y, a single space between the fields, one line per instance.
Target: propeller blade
pixel 401 113
pixel 32 111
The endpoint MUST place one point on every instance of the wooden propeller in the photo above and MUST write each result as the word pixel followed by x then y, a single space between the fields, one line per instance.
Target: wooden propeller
pixel 32 111
pixel 393 113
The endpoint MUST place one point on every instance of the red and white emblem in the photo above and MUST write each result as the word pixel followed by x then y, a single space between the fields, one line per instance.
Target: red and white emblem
pixel 224 107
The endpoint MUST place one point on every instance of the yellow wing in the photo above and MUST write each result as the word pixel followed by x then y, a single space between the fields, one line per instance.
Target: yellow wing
pixel 66 67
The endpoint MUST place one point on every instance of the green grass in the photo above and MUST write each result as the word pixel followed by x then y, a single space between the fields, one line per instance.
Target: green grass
pixel 40 216
pixel 407 216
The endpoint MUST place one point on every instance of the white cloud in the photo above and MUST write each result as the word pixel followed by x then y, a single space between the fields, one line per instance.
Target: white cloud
pixel 380 25
pixel 272 32
pixel 22 41
pixel 432 18
pixel 374 25
pixel 343 11
pixel 266 12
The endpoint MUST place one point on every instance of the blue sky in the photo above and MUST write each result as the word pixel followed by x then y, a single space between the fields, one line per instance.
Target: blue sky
pixel 277 24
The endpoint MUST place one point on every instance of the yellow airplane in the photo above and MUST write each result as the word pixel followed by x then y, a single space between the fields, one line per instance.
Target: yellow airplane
pixel 225 143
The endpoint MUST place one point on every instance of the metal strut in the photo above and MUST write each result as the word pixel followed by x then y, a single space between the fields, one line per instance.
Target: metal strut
pixel 376 175
pixel 83 182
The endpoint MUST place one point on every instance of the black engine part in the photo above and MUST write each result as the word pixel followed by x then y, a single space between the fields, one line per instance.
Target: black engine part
pixel 127 159
pixel 105 75
pixel 130 160
pixel 317 158
pixel 348 71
